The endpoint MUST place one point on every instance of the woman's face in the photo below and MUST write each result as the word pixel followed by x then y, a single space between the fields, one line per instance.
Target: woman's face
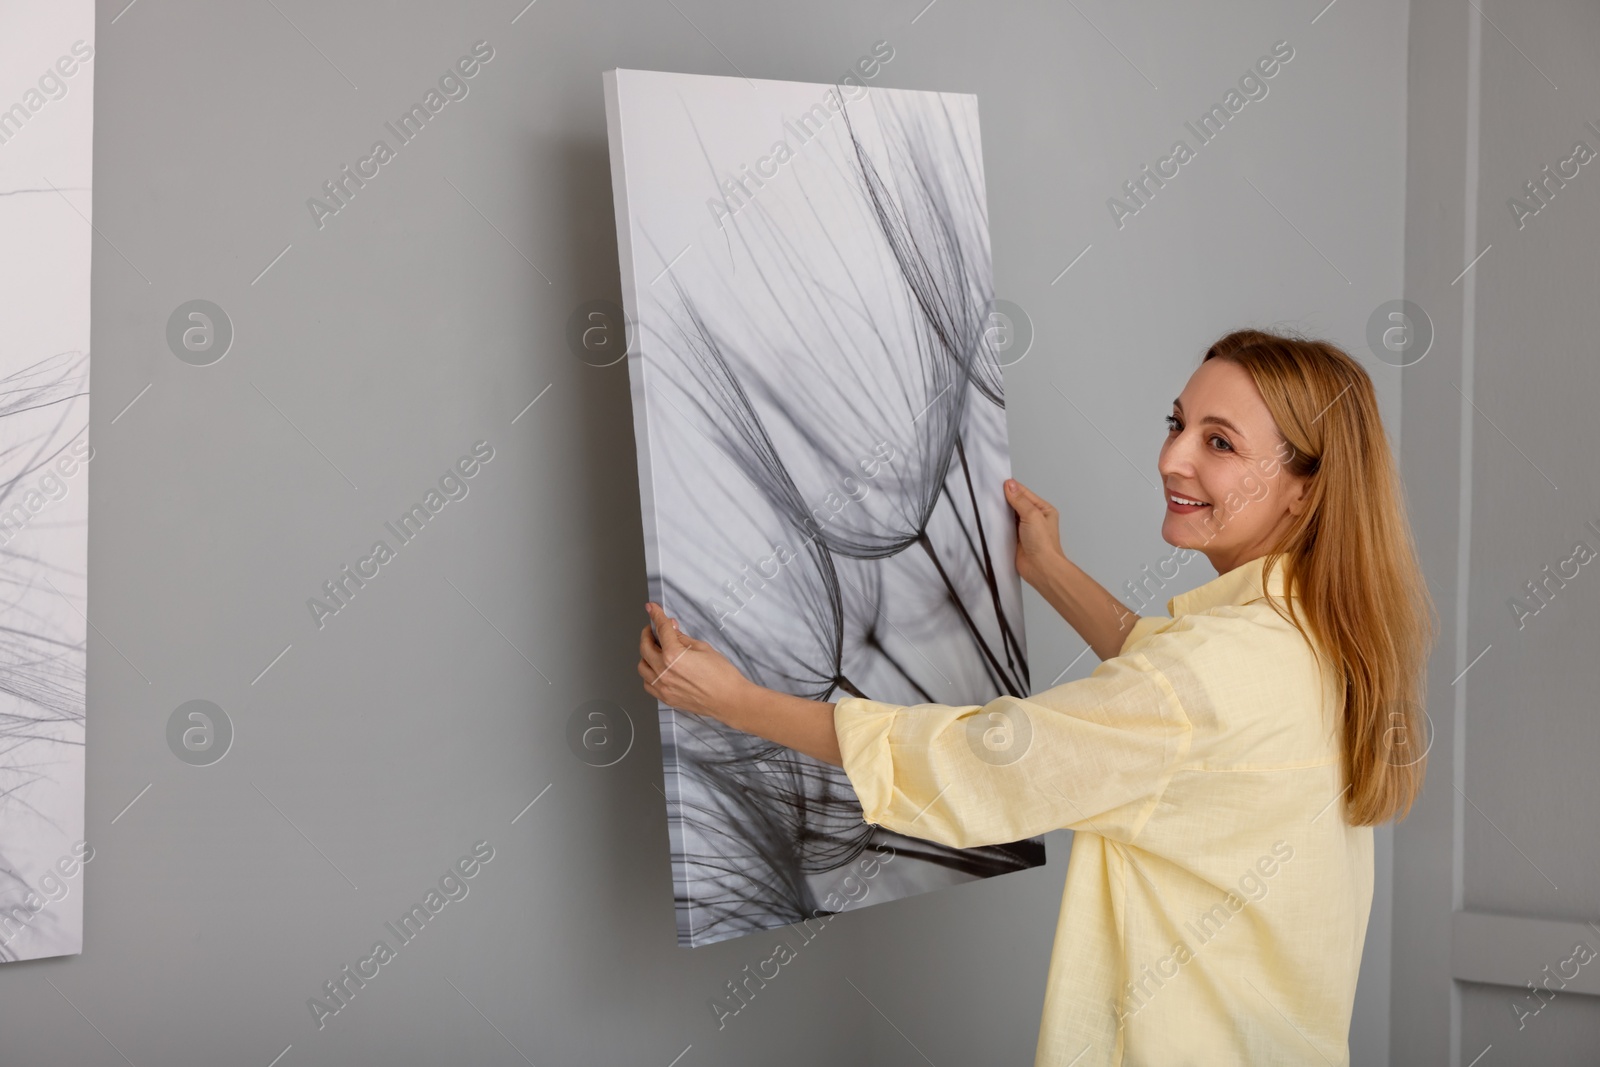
pixel 1224 451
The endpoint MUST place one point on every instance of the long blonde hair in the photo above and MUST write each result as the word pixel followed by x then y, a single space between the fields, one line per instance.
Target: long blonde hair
pixel 1350 561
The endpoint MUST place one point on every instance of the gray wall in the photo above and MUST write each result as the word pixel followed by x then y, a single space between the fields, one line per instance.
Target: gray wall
pixel 1496 873
pixel 424 317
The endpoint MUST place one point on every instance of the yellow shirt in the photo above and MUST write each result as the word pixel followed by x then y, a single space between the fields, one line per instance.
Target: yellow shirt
pixel 1216 899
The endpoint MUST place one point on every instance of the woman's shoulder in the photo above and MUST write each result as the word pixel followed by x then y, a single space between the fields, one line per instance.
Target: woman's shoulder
pixel 1228 631
pixel 1248 680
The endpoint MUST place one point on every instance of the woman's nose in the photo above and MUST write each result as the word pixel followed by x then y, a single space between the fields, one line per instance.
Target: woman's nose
pixel 1175 459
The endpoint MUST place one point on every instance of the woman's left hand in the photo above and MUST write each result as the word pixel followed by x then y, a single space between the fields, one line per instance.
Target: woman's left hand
pixel 685 673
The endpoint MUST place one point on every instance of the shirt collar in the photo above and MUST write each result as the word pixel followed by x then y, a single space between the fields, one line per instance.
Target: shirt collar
pixel 1242 585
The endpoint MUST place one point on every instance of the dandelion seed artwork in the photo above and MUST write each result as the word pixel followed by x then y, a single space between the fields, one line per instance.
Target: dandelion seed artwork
pixel 821 438
pixel 45 235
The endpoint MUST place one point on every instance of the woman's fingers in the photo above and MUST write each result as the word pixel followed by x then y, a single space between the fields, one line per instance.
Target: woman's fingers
pixel 650 652
pixel 1022 500
pixel 664 631
pixel 706 683
pixel 670 638
pixel 649 686
pixel 662 644
pixel 1020 496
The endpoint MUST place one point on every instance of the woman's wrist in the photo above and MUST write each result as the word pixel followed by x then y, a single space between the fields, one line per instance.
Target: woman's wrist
pixel 1050 580
pixel 740 706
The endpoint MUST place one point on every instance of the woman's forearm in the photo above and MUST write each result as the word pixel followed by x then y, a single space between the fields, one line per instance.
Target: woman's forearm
pixel 1089 608
pixel 794 722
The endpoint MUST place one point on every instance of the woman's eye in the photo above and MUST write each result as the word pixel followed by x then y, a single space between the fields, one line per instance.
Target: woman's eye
pixel 1224 446
pixel 1172 423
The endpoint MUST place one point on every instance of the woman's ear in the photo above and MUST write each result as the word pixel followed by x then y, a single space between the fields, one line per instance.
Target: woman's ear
pixel 1297 494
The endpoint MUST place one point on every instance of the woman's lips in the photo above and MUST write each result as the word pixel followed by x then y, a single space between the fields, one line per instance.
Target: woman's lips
pixel 1184 509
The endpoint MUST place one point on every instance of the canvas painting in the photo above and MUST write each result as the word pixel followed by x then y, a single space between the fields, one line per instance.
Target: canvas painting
pixel 821 435
pixel 46 137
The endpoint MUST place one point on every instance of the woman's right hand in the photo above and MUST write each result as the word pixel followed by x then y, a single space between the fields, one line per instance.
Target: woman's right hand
pixel 1038 532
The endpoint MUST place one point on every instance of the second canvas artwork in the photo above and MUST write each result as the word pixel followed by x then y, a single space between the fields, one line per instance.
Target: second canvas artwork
pixel 46 217
pixel 820 423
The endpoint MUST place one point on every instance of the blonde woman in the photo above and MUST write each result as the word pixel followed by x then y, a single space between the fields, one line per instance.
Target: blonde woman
pixel 1222 768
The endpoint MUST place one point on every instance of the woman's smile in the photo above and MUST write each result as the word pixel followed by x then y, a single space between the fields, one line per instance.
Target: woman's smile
pixel 1183 505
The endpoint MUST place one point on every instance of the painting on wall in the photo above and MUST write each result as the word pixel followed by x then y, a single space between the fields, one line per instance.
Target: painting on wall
pixel 46 137
pixel 821 437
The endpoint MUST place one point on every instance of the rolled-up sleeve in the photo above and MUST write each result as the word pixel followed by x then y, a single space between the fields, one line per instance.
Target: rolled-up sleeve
pixel 1093 754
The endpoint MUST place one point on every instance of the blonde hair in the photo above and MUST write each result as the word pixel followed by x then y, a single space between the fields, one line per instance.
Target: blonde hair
pixel 1351 562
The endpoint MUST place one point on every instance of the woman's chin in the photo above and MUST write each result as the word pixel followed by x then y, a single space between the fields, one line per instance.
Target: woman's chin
pixel 1180 531
pixel 1174 532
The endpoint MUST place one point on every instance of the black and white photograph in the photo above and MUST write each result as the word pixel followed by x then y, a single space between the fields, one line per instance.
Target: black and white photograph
pixel 822 484
pixel 45 212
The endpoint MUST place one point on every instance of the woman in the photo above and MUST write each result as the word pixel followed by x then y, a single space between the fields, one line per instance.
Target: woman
pixel 1222 768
